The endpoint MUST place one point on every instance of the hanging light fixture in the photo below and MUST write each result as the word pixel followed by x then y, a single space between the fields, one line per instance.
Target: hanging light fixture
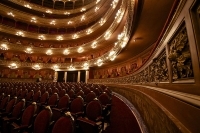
pixel 28 50
pixel 36 67
pixel 12 66
pixel 71 67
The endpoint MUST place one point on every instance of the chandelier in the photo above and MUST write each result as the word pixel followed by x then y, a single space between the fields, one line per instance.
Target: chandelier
pixel 4 47
pixel 12 66
pixel 36 67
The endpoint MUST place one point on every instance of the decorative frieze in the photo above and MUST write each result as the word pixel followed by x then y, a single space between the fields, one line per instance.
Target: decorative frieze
pixel 180 56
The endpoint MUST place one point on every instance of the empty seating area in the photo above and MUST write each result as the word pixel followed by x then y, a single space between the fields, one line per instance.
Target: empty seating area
pixel 54 107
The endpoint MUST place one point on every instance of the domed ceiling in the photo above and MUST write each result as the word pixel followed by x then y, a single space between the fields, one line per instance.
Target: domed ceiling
pixel 66 34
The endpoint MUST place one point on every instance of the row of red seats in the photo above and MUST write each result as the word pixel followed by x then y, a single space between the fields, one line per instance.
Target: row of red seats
pixel 77 106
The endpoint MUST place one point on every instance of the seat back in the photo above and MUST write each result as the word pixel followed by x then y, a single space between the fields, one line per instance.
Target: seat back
pixel 64 102
pixel 4 102
pixel 23 93
pixel 18 93
pixel 18 108
pixel 36 96
pixel 71 94
pixel 62 93
pixel 94 110
pixel 64 124
pixel 2 96
pixel 42 121
pixel 53 99
pixel 29 96
pixel 28 114
pixel 10 105
pixel 97 91
pixel 44 97
pixel 80 93
pixel 86 91
pixel 104 99
pixel 77 105
pixel 90 96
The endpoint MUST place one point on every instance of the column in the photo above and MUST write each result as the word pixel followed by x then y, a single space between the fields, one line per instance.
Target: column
pixel 78 78
pixel 55 76
pixel 65 77
pixel 86 76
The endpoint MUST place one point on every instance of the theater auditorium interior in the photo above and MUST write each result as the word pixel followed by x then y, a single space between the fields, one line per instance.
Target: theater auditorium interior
pixel 99 66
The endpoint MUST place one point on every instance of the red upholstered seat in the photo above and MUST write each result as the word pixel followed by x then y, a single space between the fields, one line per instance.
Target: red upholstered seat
pixel 36 96
pixel 80 93
pixel 4 102
pixel 71 94
pixel 89 97
pixel 77 107
pixel 16 114
pixel 26 120
pixel 63 105
pixel 64 124
pixel 93 122
pixel 105 100
pixel 62 93
pixel 29 96
pixel 43 120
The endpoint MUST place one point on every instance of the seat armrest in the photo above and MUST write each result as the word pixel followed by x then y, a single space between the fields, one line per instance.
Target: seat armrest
pixel 80 119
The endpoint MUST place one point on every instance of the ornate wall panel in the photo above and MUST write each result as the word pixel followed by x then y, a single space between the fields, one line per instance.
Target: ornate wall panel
pixel 180 56
pixel 158 71
pixel 24 74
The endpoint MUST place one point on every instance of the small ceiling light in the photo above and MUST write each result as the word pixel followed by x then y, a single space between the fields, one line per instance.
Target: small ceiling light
pixel 107 35
pixel 83 9
pixel 28 50
pixel 120 36
pixel 20 33
pixel 80 50
pixel 33 19
pixel 36 67
pixel 4 47
pixel 11 14
pixel 74 36
pixel 59 38
pixel 99 62
pixel 67 13
pixel 55 67
pixel 49 52
pixel 102 21
pixel 69 22
pixel 123 44
pixel 53 22
pixel 41 37
pixel 94 44
pixel 89 31
pixel 112 58
pixel 98 1
pixel 71 67
pixel 96 9
pixel 66 52
pixel 111 53
pixel 114 3
pixel 27 6
pixel 85 66
pixel 49 11
pixel 83 18
pixel 12 66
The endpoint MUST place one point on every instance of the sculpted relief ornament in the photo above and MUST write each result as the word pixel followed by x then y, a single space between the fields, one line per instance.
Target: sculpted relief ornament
pixel 158 69
pixel 180 56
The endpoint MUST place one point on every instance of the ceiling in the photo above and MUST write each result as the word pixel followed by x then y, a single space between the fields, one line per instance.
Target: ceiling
pixel 58 25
